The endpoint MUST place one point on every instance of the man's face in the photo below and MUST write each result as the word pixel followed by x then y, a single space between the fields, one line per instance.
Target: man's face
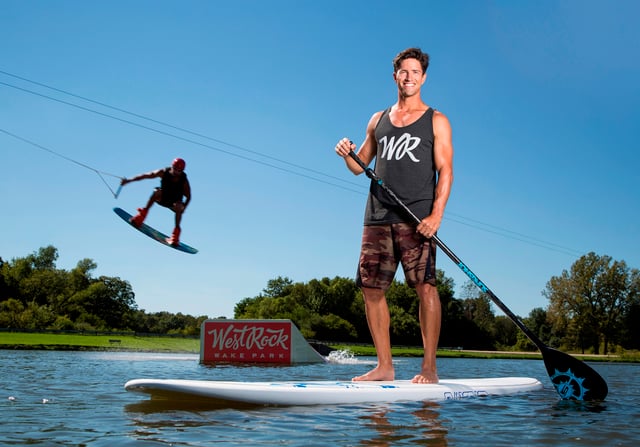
pixel 409 77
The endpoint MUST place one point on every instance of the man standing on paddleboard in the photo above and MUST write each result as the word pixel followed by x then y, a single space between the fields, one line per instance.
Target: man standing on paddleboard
pixel 174 185
pixel 413 148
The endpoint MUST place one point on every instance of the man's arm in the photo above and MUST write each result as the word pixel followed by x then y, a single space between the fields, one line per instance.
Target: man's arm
pixel 443 159
pixel 152 174
pixel 186 193
pixel 367 150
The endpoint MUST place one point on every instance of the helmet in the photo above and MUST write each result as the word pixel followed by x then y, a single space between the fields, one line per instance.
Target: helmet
pixel 179 164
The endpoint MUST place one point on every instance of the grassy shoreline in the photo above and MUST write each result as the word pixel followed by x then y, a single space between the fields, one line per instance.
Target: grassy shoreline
pixel 77 342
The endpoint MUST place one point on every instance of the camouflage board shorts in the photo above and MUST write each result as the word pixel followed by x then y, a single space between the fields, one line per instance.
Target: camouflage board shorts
pixel 384 246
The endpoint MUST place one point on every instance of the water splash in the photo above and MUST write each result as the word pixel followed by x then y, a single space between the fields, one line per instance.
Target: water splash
pixel 343 357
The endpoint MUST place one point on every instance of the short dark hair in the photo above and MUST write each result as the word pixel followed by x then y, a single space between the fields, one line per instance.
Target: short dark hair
pixel 411 53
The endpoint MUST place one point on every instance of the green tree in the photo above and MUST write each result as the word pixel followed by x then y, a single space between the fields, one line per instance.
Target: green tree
pixel 333 328
pixel 318 308
pixel 342 292
pixel 588 303
pixel 10 311
pixel 505 332
pixel 317 297
pixel 35 294
pixel 36 317
pixel 52 296
pixel 4 287
pixel 280 286
pixel 247 307
pixel 112 301
pixel 630 336
pixel 477 309
pixel 405 327
pixel 539 324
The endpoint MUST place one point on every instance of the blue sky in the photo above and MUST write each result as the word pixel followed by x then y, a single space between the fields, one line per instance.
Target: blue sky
pixel 542 96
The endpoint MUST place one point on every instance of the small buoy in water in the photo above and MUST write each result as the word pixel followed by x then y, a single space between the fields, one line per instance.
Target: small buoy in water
pixel 45 401
pixel 11 398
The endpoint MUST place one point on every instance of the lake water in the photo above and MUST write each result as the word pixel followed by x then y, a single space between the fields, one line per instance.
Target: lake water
pixel 78 399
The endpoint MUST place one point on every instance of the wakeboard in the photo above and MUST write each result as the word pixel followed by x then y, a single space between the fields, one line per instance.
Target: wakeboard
pixel 153 233
pixel 328 392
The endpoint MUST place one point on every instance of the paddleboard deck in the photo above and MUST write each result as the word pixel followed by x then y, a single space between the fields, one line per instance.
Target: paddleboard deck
pixel 153 233
pixel 329 392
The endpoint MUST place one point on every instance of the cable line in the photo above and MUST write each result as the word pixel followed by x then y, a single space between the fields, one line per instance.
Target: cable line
pixel 162 123
pixel 515 236
pixel 198 143
pixel 100 173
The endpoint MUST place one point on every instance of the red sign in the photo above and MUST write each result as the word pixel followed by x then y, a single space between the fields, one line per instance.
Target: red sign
pixel 254 341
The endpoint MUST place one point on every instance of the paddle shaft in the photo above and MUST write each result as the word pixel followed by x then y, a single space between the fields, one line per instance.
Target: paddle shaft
pixel 472 276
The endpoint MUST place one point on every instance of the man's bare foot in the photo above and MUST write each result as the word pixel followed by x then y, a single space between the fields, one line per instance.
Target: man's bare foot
pixel 376 374
pixel 426 377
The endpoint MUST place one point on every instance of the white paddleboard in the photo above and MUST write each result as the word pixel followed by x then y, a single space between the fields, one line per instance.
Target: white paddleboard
pixel 329 392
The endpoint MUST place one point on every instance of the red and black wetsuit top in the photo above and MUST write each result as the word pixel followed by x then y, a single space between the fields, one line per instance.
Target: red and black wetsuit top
pixel 172 187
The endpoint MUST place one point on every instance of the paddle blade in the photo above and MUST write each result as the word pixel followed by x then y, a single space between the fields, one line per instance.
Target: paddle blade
pixel 573 378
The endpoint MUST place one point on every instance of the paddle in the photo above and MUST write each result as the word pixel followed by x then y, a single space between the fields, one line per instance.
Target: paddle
pixel 572 378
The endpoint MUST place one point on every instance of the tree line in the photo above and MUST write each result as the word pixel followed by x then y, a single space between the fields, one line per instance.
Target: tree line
pixel 593 307
pixel 36 295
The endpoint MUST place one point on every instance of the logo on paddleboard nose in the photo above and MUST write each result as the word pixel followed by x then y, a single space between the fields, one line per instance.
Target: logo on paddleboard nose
pixel 568 385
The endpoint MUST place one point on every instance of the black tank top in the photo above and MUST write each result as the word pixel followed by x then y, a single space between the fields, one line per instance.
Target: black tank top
pixel 404 161
pixel 172 190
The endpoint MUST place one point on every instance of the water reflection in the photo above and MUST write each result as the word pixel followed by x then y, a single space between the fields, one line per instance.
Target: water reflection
pixel 435 433
pixel 377 425
pixel 425 429
pixel 566 406
pixel 150 406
